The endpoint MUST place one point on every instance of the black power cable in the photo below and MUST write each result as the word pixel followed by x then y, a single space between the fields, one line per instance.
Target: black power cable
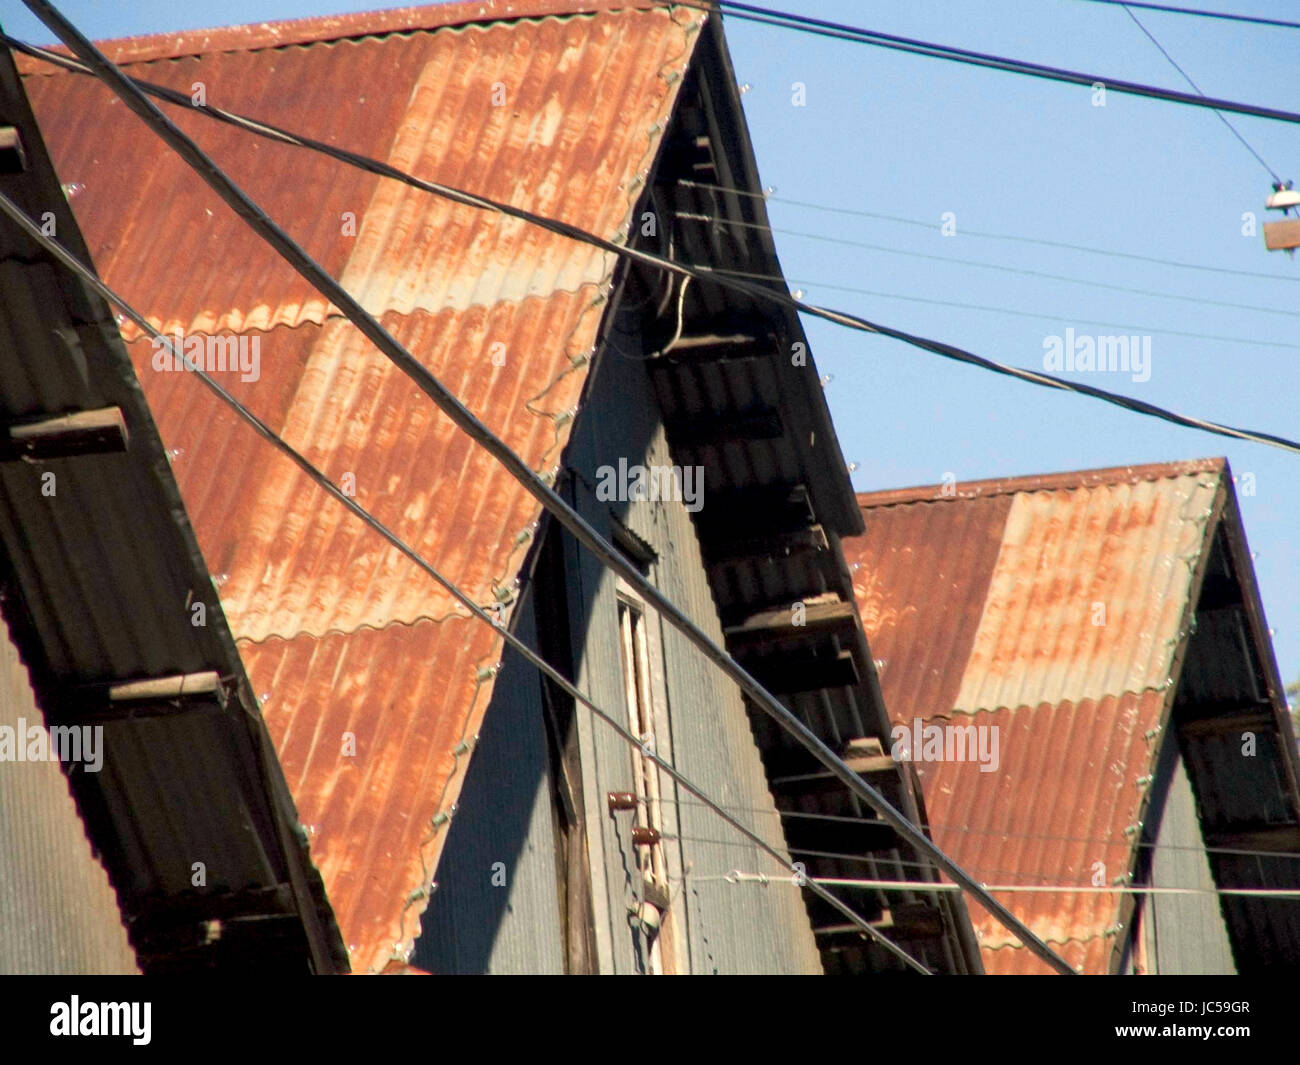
pixel 858 35
pixel 14 212
pixel 1226 16
pixel 570 519
pixel 699 273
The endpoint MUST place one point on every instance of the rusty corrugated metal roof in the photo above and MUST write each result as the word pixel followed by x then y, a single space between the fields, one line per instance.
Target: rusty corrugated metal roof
pixel 562 115
pixel 983 605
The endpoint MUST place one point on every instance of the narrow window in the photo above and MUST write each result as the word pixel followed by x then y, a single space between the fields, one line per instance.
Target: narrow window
pixel 654 892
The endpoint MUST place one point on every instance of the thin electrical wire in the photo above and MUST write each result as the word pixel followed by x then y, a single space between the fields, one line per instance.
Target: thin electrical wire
pixel 858 35
pixel 738 877
pixel 216 178
pixel 870 328
pixel 868 859
pixel 984 234
pixel 759 292
pixel 1200 301
pixel 16 214
pixel 1188 78
pixel 1003 832
pixel 1227 16
pixel 584 534
pixel 1010 311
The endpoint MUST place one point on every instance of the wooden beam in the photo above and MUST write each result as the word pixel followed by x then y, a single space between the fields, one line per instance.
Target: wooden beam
pixel 861 754
pixel 1281 839
pixel 911 920
pixel 194 906
pixel 905 920
pixel 171 687
pixel 13 160
pixel 87 432
pixel 866 762
pixel 779 622
pixel 1217 726
pixel 868 905
pixel 862 747
pixel 1282 236
pixel 107 703
pixel 712 349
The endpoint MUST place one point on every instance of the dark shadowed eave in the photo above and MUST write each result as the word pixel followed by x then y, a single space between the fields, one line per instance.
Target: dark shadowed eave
pixel 118 622
pixel 1104 622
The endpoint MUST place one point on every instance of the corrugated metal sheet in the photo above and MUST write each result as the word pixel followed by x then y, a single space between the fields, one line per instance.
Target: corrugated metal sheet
pixel 1064 792
pixel 408 695
pixel 294 561
pixel 561 126
pixel 979 601
pixel 332 625
pixel 259 35
pixel 728 928
pixel 100 571
pixel 58 913
pixel 495 907
pixel 1185 934
pixel 1088 593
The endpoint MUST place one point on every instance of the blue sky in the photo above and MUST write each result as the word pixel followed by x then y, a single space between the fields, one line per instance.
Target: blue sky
pixel 914 138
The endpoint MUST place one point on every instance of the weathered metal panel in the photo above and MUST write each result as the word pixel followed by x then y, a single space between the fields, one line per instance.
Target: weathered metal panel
pixel 101 572
pixel 58 913
pixel 494 907
pixel 731 928
pixel 293 562
pixel 1063 794
pixel 1185 933
pixel 912 557
pixel 560 115
pixel 408 695
pixel 260 35
pixel 1088 593
pixel 561 126
pixel 981 604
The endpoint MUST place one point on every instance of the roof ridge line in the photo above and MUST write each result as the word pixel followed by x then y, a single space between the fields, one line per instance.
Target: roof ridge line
pixel 336 29
pixel 1071 480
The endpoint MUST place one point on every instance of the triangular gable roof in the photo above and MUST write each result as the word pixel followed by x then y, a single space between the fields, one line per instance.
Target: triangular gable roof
pixel 1056 610
pixel 561 115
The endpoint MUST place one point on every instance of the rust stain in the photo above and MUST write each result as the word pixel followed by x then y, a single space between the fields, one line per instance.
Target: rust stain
pixel 457 106
pixel 1087 593
pixel 980 602
pixel 342 634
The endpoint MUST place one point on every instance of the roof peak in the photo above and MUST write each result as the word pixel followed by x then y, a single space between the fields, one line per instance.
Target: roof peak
pixel 1045 482
pixel 322 29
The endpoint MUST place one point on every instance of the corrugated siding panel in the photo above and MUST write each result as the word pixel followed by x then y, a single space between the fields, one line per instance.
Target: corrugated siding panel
pixel 1089 957
pixel 495 907
pixel 327 616
pixel 409 695
pixel 1185 933
pixel 58 913
pixel 295 562
pixel 981 601
pixel 731 928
